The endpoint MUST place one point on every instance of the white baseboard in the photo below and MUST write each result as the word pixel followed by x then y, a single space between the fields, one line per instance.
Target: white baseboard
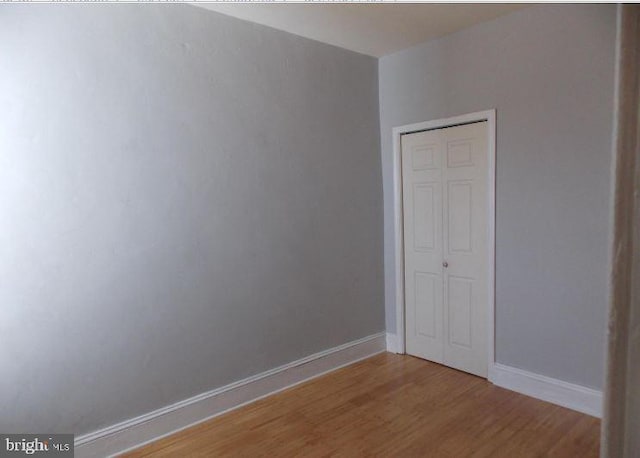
pixel 392 343
pixel 149 427
pixel 576 397
pixel 572 396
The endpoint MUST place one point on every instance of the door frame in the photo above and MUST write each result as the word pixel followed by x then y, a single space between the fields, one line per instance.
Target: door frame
pixel 490 117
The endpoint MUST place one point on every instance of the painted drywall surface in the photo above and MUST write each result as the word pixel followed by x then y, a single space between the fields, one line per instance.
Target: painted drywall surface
pixel 186 200
pixel 549 72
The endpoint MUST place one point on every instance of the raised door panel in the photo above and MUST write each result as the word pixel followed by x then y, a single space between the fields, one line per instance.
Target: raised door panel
pixel 426 295
pixel 460 216
pixel 460 304
pixel 424 157
pixel 423 208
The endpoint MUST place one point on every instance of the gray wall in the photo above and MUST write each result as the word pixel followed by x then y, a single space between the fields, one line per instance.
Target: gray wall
pixel 548 71
pixel 186 200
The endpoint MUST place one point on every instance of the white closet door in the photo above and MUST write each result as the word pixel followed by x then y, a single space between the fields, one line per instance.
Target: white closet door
pixel 445 206
pixel 422 155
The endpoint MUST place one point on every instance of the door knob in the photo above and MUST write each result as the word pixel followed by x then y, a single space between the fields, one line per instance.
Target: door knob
pixel 445 264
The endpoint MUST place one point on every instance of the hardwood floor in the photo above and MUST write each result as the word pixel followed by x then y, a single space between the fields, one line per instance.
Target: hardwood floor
pixel 390 405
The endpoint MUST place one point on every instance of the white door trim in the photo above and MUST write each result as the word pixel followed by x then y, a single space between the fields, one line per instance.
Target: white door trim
pixel 397 132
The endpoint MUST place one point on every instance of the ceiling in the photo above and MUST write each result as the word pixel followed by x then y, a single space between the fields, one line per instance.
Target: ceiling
pixel 373 29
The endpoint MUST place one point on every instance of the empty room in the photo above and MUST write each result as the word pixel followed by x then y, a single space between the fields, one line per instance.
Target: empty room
pixel 329 229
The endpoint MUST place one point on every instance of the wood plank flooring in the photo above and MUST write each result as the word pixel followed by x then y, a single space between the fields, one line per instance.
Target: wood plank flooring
pixel 390 405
